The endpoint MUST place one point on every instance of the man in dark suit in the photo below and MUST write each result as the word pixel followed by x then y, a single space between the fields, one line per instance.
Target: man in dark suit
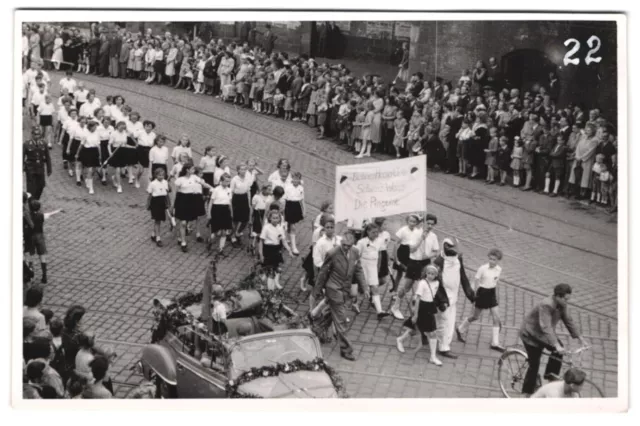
pixel 115 46
pixel 437 89
pixel 104 55
pixel 554 86
pixel 340 267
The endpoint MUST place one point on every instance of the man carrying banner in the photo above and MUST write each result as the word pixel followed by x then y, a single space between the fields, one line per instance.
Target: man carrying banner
pixel 421 254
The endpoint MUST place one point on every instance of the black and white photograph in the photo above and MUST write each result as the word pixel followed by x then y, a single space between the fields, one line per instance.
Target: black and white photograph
pixel 383 206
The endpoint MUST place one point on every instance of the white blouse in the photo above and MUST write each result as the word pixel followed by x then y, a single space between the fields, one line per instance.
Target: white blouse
pixel 208 164
pixel 105 132
pixel 157 188
pixel 276 180
pixel 368 249
pixel 91 139
pixel 383 240
pixel 239 185
pixel 189 185
pixel 81 95
pixel 322 247
pixel 118 139
pixel 69 84
pixel 426 290
pixel 134 128
pixel 78 133
pixel 409 237
pixel 146 139
pixel 260 202
pixel 46 108
pixel 175 154
pixel 293 193
pixel 221 195
pixel 89 108
pixel 159 155
pixel 272 235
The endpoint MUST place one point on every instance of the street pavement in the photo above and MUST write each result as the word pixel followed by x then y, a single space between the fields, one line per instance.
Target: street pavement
pixel 101 256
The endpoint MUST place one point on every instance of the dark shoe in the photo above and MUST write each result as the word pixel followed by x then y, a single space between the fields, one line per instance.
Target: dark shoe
pixel 44 279
pixel 447 354
pixel 104 182
pixel 460 337
pixel 497 348
pixel 501 183
pixel 153 238
pixel 159 243
pixel 199 239
pixel 184 248
pixel 78 183
pixel 553 194
pixel 526 188
pixel 65 165
pixel 382 315
pixel 348 356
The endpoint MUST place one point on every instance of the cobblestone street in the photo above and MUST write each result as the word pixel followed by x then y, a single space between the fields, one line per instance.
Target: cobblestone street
pixel 102 258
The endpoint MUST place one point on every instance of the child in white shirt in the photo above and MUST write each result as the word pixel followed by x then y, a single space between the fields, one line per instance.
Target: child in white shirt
pixel 158 203
pixel 486 281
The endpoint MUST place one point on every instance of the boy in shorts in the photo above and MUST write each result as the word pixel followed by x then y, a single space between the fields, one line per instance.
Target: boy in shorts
pixel 37 236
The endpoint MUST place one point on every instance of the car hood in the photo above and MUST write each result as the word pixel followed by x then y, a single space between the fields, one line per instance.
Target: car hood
pixel 301 384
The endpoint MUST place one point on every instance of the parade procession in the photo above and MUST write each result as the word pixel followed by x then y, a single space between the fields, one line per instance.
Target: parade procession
pixel 219 210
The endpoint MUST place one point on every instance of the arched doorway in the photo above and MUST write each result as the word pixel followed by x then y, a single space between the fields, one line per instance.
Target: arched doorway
pixel 523 68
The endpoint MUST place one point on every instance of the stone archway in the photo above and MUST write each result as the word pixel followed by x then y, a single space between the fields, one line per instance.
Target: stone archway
pixel 523 68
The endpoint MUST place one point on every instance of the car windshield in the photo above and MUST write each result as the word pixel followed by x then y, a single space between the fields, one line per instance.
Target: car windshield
pixel 270 351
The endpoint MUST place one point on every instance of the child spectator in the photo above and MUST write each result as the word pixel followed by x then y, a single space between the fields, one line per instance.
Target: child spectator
pixel 490 156
pixel 606 179
pixel 555 171
pixel 278 102
pixel 516 161
pixel 288 105
pixel 595 179
pixel 502 160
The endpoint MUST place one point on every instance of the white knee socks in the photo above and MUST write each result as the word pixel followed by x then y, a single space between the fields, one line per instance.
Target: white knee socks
pixel 495 340
pixel 547 182
pixel 376 302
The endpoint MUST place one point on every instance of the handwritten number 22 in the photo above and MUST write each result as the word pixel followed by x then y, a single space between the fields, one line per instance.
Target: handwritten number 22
pixel 568 57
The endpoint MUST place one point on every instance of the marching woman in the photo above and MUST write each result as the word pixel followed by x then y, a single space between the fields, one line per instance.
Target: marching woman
pixel 68 127
pixel 146 141
pixel 222 168
pixel 369 250
pixel 76 137
pixel 272 239
pixel 118 153
pixel 134 127
pixel 240 190
pixel 159 156
pixel 45 114
pixel 282 176
pixel 117 110
pixel 259 203
pixel 407 236
pixel 208 166
pixel 189 205
pixel 183 146
pixel 89 153
pixel 89 107
pixel 105 129
pixel 294 208
pixel 430 296
pixel 62 115
pixel 158 202
pixel 221 212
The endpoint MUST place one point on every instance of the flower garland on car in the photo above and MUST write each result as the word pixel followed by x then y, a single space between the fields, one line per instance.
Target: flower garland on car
pixel 317 364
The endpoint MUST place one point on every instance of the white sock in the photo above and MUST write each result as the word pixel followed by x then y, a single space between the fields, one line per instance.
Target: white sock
pixel 293 242
pixel 433 344
pixel 496 336
pixel 463 327
pixel 223 241
pixel 547 182
pixel 557 187
pixel 377 303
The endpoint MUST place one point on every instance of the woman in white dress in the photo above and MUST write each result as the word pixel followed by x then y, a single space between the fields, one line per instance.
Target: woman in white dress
pixel 199 84
pixel 56 58
pixel 170 70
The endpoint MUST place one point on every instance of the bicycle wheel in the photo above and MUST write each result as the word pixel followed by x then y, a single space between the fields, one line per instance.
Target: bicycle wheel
pixel 590 390
pixel 512 368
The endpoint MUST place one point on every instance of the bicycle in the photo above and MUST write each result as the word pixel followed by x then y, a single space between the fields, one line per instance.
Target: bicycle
pixel 513 365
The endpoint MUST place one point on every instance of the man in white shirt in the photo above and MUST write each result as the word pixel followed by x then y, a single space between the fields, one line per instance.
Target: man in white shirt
pixel 422 254
pixel 568 388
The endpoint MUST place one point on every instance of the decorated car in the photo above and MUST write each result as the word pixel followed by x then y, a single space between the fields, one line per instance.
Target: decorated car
pixel 265 351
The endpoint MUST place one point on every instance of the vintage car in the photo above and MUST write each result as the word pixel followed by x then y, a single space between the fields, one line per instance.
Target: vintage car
pixel 257 357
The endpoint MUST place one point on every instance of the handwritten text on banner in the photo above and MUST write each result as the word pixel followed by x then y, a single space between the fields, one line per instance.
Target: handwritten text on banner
pixel 383 188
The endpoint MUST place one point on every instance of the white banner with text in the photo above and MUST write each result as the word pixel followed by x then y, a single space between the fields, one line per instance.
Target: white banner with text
pixel 383 188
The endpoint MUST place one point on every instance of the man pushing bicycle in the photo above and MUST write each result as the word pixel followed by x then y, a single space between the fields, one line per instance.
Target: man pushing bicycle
pixel 538 332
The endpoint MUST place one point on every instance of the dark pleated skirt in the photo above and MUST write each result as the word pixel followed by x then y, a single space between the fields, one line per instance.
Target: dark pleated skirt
pixel 241 208
pixel 221 218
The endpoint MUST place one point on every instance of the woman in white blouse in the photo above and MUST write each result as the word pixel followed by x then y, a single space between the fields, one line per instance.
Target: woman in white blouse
pixel 76 136
pixel 240 202
pixel 117 153
pixel 221 212
pixel 89 153
pixel 68 127
pixel 146 139
pixel 105 129
pixel 189 204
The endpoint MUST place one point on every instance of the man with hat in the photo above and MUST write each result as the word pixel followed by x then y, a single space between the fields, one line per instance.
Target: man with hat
pixel 453 274
pixel 35 159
